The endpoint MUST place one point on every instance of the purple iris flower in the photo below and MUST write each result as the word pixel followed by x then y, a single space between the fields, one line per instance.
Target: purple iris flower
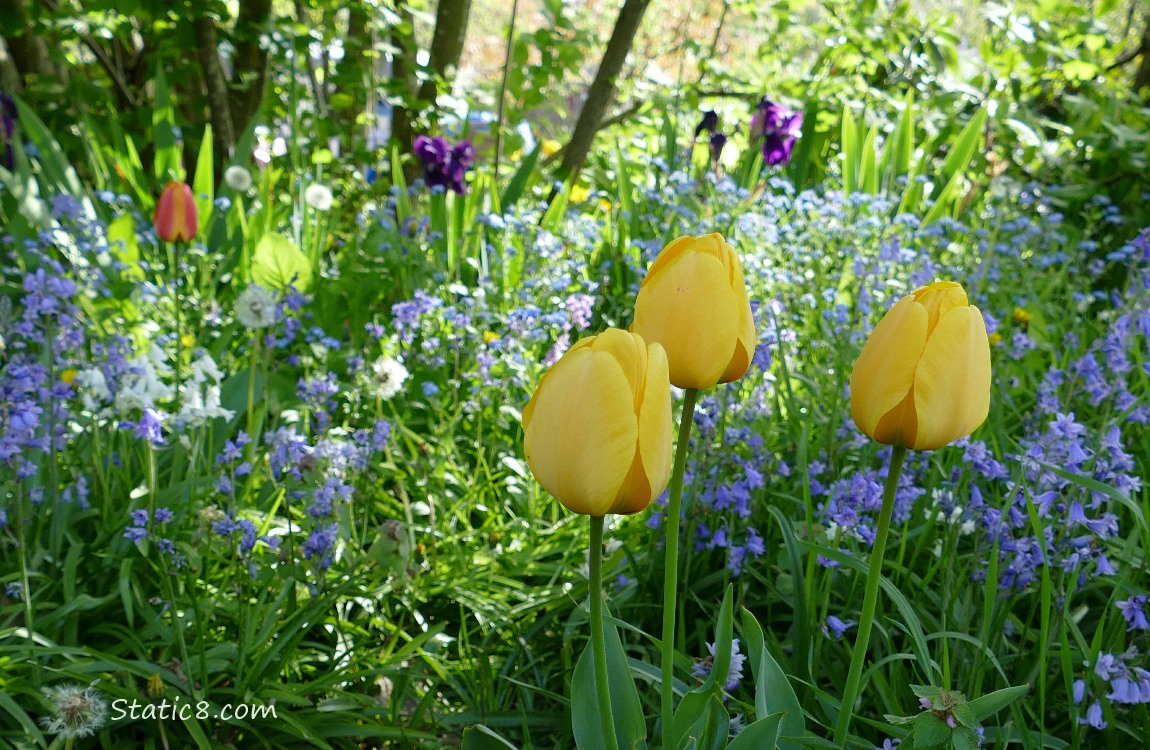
pixel 718 141
pixel 778 127
pixel 709 123
pixel 444 165
pixel 8 116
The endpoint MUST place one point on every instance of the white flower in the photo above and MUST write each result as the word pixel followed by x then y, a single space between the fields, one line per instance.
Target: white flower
pixel 255 307
pixel 200 409
pixel 94 388
pixel 77 711
pixel 238 178
pixel 318 197
pixel 204 369
pixel 386 377
pixel 144 388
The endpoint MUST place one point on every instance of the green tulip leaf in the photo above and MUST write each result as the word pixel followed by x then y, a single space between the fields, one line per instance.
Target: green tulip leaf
pixel 759 735
pixel 630 726
pixel 721 664
pixel 773 691
pixel 705 725
pixel 277 262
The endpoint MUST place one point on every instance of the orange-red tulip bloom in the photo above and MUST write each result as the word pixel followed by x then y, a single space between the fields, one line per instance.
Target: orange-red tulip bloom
pixel 176 218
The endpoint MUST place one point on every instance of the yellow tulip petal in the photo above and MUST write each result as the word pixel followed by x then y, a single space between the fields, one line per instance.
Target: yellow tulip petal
pixel 952 382
pixel 581 436
pixel 652 468
pixel 630 352
pixel 688 308
pixel 938 298
pixel 706 244
pixel 529 410
pixel 885 370
pixel 748 338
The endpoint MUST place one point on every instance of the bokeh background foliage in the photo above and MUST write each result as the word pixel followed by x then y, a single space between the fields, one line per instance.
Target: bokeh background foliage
pixel 377 561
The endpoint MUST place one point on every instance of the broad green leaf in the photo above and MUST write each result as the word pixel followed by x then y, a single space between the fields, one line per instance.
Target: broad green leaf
pixel 988 705
pixel 519 181
pixel 125 245
pixel 930 731
pixel 721 664
pixel 167 158
pixel 627 711
pixel 773 691
pixel 868 173
pixel 850 154
pixel 759 735
pixel 954 168
pixel 277 262
pixel 204 183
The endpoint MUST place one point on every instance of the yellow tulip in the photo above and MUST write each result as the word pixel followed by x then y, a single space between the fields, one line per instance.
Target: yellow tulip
pixel 597 431
pixel 923 378
pixel 694 302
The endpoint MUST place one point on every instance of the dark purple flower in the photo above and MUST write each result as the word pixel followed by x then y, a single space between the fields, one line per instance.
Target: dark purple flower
pixel 718 141
pixel 778 127
pixel 709 123
pixel 444 165
pixel 8 116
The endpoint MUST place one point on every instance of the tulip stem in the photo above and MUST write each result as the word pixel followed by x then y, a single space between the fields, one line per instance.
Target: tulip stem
pixel 598 644
pixel 671 569
pixel 870 598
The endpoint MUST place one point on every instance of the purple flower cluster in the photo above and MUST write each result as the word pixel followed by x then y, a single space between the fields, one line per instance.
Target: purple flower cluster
pixel 779 127
pixel 144 526
pixel 444 166
pixel 1116 677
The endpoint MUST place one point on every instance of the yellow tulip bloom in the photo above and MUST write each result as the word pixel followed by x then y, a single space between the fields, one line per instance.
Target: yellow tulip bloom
pixel 923 378
pixel 694 302
pixel 597 431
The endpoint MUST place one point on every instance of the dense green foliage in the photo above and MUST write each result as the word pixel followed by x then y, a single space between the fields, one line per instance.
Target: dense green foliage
pixel 282 465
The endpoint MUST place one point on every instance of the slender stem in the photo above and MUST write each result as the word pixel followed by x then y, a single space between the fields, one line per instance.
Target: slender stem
pixel 598 644
pixel 503 88
pixel 870 598
pixel 671 569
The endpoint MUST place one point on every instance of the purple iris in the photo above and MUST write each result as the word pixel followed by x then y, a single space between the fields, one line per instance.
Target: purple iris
pixel 709 123
pixel 778 127
pixel 8 115
pixel 444 165
pixel 718 141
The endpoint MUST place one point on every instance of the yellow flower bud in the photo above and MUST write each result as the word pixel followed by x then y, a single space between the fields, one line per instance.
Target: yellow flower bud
pixel 69 376
pixel 549 147
pixel 923 378
pixel 597 431
pixel 694 302
pixel 579 193
pixel 1021 316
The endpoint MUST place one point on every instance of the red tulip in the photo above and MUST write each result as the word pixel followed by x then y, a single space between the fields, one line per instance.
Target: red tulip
pixel 176 218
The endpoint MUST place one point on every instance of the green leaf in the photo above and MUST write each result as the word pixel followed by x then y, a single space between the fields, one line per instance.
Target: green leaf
pixel 277 261
pixel 168 158
pixel 850 154
pixel 519 181
pixel 773 691
pixel 125 245
pixel 480 737
pixel 710 729
pixel 204 183
pixel 930 731
pixel 964 738
pixel 987 705
pixel 954 168
pixel 721 664
pixel 759 735
pixel 868 174
pixel 630 727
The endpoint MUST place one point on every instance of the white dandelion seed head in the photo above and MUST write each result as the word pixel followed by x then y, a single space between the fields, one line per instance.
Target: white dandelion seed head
pixel 387 377
pixel 255 307
pixel 238 178
pixel 77 711
pixel 318 197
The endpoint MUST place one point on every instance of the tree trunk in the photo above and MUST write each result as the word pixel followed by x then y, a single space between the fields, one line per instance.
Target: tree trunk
pixel 402 83
pixel 29 52
pixel 451 18
pixel 1142 75
pixel 223 136
pixel 602 89
pixel 252 61
pixel 352 79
